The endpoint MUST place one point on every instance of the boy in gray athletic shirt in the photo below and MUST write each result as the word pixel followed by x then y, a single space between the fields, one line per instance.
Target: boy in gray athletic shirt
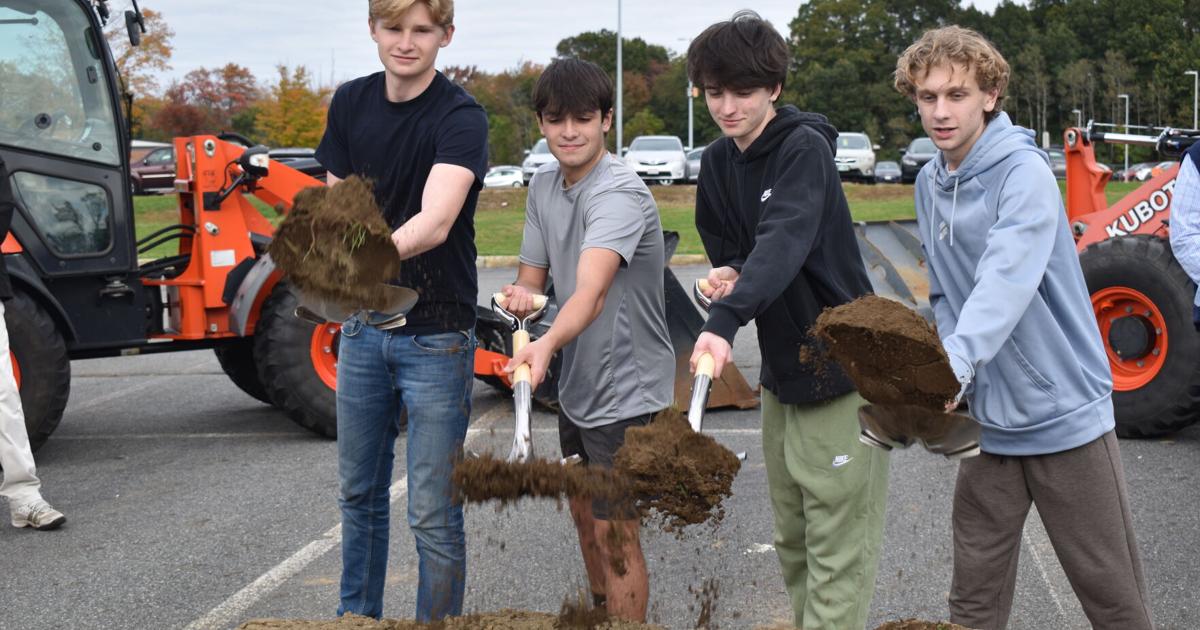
pixel 591 221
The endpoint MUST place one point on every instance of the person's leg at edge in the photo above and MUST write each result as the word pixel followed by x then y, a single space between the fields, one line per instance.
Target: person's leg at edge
pixel 1083 501
pixel 628 591
pixel 434 374
pixel 581 515
pixel 368 414
pixel 991 502
pixel 787 505
pixel 617 528
pixel 845 499
pixel 21 484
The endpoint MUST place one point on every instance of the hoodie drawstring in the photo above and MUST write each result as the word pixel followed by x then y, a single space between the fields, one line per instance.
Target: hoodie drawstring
pixel 933 220
pixel 953 207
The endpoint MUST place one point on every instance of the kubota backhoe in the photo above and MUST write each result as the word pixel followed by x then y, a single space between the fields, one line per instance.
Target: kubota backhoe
pixel 1141 296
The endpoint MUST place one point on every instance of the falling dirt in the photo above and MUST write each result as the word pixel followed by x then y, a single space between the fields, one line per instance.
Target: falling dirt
pixel 674 475
pixel 681 475
pixel 915 624
pixel 890 352
pixel 335 245
pixel 502 620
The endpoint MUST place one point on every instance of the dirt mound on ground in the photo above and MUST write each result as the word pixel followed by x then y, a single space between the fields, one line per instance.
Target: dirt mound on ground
pixel 890 352
pixel 503 620
pixel 916 624
pixel 336 245
pixel 670 471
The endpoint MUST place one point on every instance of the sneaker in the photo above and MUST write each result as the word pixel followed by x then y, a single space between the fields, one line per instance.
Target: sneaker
pixel 37 514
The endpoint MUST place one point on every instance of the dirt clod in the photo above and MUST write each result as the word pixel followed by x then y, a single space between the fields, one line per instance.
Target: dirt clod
pixel 502 620
pixel 336 245
pixel 890 352
pixel 678 473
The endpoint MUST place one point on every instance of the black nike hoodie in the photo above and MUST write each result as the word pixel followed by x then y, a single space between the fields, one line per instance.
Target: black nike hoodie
pixel 777 214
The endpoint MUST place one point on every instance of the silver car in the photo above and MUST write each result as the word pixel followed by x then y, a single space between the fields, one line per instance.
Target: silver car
pixel 534 159
pixel 657 159
pixel 693 164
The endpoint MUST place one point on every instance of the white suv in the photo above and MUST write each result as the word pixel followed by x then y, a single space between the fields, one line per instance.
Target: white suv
pixel 535 158
pixel 657 158
pixel 855 157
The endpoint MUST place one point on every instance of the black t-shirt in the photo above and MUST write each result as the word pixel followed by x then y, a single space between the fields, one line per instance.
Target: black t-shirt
pixel 396 145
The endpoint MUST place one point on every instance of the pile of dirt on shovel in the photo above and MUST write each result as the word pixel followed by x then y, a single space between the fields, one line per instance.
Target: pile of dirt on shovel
pixel 681 475
pixel 335 245
pixel 890 352
pixel 665 469
pixel 502 620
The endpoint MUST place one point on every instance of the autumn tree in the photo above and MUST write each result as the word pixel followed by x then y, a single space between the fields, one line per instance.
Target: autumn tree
pixel 139 65
pixel 294 113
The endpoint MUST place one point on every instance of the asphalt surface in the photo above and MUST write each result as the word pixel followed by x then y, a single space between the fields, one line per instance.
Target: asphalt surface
pixel 191 505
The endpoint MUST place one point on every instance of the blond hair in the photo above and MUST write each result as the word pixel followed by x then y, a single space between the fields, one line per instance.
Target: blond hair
pixel 389 11
pixel 953 46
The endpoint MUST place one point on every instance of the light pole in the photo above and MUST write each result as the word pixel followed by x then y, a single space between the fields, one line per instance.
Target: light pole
pixel 1078 117
pixel 691 134
pixel 620 71
pixel 1195 94
pixel 1126 97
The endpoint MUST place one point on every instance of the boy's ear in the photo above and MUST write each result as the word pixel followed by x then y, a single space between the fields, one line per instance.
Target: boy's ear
pixel 606 124
pixel 776 92
pixel 990 104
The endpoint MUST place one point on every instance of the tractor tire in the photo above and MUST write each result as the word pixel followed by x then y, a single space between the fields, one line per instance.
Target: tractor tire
pixel 297 363
pixel 40 355
pixel 237 360
pixel 1143 304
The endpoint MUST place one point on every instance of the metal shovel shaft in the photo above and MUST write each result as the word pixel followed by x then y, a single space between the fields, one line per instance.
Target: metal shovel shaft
pixel 700 389
pixel 522 448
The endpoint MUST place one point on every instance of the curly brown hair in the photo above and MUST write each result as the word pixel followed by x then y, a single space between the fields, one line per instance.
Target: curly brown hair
pixel 958 46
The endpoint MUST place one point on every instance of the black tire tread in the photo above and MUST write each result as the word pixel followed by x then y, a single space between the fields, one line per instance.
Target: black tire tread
pixel 45 366
pixel 1172 401
pixel 237 361
pixel 281 349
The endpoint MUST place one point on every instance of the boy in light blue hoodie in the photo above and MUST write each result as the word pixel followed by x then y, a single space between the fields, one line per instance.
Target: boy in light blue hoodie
pixel 1014 315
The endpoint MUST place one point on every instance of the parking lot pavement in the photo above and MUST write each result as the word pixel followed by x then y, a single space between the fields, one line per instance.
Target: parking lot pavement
pixel 190 505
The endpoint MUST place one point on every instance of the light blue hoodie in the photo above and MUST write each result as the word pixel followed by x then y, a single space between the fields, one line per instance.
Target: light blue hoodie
pixel 1011 304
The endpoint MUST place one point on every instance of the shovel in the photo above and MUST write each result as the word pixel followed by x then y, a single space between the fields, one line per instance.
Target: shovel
pixel 954 435
pixel 522 448
pixel 705 366
pixel 400 300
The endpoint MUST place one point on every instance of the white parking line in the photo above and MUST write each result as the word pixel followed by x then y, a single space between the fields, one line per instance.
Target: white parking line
pixel 1041 566
pixel 230 610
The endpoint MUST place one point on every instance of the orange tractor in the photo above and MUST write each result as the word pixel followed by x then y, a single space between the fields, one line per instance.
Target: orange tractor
pixel 1141 296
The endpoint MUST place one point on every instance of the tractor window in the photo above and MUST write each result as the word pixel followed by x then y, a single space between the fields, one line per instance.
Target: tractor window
pixel 73 217
pixel 55 96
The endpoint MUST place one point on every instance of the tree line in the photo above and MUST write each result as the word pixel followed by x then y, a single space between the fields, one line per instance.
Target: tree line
pixel 1071 59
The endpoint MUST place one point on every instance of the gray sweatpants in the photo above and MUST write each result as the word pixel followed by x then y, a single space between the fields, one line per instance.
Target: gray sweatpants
pixel 1081 497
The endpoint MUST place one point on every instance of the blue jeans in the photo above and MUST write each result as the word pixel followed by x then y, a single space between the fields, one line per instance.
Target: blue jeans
pixel 381 373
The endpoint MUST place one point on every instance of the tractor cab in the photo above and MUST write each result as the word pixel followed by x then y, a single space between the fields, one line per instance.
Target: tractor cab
pixel 65 153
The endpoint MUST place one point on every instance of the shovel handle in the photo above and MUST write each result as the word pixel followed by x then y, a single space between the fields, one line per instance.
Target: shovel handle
pixel 520 340
pixel 704 285
pixel 705 365
pixel 538 300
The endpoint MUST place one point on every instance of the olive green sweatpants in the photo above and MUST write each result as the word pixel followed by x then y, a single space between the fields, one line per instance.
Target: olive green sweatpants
pixel 828 493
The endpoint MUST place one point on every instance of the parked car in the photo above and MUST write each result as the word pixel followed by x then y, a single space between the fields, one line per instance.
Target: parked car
pixel 657 158
pixel 855 157
pixel 888 173
pixel 155 172
pixel 693 164
pixel 919 151
pixel 1138 172
pixel 302 159
pixel 1058 162
pixel 534 158
pixel 504 177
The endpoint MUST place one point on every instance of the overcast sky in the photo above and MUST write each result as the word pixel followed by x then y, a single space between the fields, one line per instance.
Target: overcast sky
pixel 330 37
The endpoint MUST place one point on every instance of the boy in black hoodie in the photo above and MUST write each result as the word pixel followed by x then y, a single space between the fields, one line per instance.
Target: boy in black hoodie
pixel 775 224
